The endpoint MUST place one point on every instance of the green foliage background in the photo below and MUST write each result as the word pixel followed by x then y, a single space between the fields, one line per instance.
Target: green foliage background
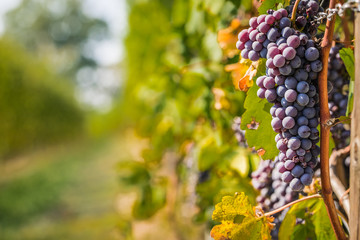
pixel 173 64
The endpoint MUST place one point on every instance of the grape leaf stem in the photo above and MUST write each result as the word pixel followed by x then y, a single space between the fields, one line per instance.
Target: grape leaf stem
pixel 325 130
pixel 268 214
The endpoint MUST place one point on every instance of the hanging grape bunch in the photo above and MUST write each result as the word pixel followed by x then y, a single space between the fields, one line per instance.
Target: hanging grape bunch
pixel 292 67
pixel 338 96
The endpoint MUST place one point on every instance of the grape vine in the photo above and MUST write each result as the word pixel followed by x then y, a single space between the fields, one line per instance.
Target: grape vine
pixel 233 100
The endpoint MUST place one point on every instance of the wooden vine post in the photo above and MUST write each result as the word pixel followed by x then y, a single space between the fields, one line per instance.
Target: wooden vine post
pixel 355 143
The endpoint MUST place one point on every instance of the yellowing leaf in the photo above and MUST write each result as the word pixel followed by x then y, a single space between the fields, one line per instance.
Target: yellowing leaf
pixel 242 74
pixel 246 81
pixel 239 221
pixel 227 38
pixel 223 231
pixel 238 70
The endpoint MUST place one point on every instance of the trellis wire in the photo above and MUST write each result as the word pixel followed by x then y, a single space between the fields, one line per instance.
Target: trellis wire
pixel 339 9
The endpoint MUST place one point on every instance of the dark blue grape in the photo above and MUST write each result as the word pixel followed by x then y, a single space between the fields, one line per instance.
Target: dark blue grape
pixel 297 171
pixel 304 131
pixel 312 53
pixel 302 87
pixel 306 179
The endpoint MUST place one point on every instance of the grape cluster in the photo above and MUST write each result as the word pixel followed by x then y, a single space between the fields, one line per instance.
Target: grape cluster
pixel 274 193
pixel 238 132
pixel 292 66
pixel 338 79
pixel 305 15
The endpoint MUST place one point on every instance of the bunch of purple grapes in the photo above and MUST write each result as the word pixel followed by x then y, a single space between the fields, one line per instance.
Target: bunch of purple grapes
pixel 264 29
pixel 338 96
pixel 292 66
pixel 274 193
pixel 305 15
pixel 238 132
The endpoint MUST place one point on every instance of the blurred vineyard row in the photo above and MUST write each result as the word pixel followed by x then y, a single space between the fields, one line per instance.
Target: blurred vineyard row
pixel 37 107
pixel 52 146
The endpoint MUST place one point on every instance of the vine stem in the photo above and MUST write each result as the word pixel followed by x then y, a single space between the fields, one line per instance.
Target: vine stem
pixel 325 129
pixel 293 15
pixel 268 214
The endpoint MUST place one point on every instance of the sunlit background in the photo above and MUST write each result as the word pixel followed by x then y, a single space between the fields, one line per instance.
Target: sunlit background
pixel 116 117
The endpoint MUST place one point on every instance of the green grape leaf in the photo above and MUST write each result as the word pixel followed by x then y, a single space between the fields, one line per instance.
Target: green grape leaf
pixel 256 121
pixel 238 220
pixel 269 4
pixel 313 222
pixel 349 107
pixel 347 55
pixel 344 119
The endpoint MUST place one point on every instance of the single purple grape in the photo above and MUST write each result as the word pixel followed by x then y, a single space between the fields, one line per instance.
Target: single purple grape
pixel 277 15
pixel 296 185
pixel 263 27
pixel 253 22
pixel 253 55
pixel 280 113
pixel 261 92
pixel 291 111
pixel 269 82
pixel 290 95
pixel 311 54
pixel 304 131
pixel 297 171
pixel 243 36
pixel 306 179
pixel 288 122
pixel 270 95
pixel 289 164
pixel 302 99
pixel 261 19
pixel 285 70
pixel 293 41
pixel 287 32
pixel 279 60
pixel 272 52
pixel 279 80
pixel 289 53
pixel 286 177
pixel 261 37
pixel 245 53
pixel 269 19
pixel 294 143
pixel 284 22
pixel 296 62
